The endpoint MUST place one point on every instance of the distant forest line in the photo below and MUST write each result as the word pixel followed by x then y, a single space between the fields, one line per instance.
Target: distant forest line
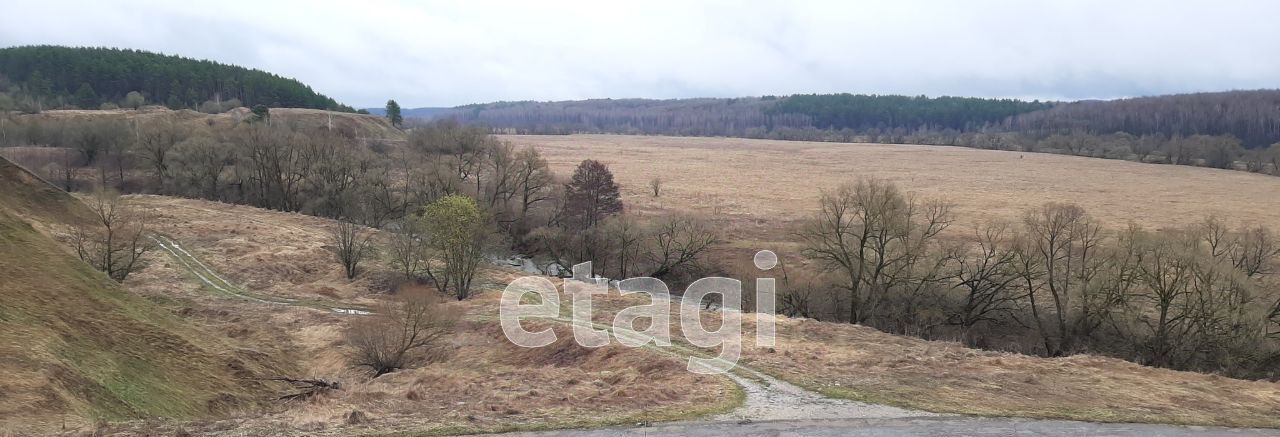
pixel 1232 129
pixel 35 78
pixel 1253 117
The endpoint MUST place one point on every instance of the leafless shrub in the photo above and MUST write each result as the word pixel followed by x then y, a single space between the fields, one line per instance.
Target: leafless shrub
pixel 678 243
pixel 351 245
pixel 409 331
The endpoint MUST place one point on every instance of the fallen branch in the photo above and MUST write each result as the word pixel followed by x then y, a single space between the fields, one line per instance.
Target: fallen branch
pixel 308 387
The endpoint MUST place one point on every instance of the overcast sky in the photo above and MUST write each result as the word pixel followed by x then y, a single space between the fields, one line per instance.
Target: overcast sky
pixel 459 52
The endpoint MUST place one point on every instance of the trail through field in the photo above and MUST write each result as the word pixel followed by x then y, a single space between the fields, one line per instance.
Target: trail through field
pixel 210 278
pixel 911 426
pixel 777 408
pixel 767 398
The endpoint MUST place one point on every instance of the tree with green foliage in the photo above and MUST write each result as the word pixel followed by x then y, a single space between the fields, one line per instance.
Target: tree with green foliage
pixel 861 111
pixel 134 100
pixel 261 113
pixel 457 232
pixel 38 84
pixel 393 113
pixel 86 98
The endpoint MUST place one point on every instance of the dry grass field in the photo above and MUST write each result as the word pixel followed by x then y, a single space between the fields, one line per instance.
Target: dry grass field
pixel 484 383
pixel 756 189
pixel 758 186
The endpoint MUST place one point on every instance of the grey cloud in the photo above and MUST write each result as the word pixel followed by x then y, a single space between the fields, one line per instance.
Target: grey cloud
pixel 450 53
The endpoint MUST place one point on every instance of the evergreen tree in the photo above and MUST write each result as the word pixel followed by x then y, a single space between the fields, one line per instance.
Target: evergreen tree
pixel 85 97
pixel 39 85
pixel 261 113
pixel 393 113
pixel 134 100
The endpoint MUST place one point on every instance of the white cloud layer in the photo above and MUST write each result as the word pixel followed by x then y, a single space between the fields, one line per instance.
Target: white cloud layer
pixel 456 52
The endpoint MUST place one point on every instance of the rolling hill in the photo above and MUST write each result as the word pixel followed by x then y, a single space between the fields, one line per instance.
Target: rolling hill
pixel 75 347
pixel 87 77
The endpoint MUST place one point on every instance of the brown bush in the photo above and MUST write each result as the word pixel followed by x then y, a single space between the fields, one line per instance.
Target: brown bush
pixel 408 332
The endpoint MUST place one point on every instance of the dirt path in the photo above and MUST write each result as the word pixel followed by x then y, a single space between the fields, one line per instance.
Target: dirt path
pixel 210 278
pixel 768 398
pixel 777 408
pixel 927 426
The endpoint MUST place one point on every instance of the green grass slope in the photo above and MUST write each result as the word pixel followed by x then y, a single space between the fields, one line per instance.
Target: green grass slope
pixel 76 347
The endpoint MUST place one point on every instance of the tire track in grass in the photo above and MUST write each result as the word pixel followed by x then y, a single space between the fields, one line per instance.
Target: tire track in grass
pixel 210 278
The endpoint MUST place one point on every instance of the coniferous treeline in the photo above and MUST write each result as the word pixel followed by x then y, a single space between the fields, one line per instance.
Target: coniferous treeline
pixel 862 111
pixel 33 78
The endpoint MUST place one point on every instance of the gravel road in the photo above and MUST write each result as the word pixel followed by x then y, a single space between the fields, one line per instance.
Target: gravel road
pixel 920 426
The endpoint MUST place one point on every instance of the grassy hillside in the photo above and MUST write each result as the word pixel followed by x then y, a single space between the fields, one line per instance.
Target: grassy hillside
pixel 26 195
pixel 76 347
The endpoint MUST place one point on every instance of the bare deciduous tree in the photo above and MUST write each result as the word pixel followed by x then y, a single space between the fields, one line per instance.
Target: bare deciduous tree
pixel 155 141
pixel 116 242
pixel 679 242
pixel 987 275
pixel 533 179
pixel 876 237
pixel 202 161
pixel 1062 249
pixel 409 331
pixel 502 165
pixel 592 195
pixel 407 248
pixel 1255 251
pixel 351 244
pixel 625 236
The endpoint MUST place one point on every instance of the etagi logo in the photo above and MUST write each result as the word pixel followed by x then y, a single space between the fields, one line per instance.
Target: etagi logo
pixel 537 297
